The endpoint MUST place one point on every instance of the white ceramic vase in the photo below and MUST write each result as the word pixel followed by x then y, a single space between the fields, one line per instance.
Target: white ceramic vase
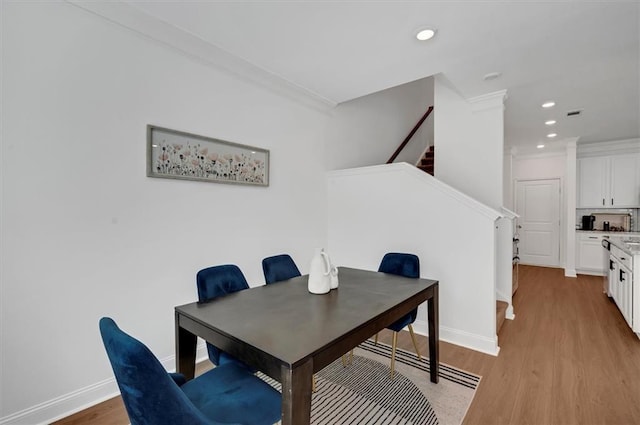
pixel 320 273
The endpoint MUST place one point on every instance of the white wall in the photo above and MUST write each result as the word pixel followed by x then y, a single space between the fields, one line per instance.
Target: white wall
pixel 86 234
pixel 469 140
pixel 455 241
pixel 540 166
pixel 368 130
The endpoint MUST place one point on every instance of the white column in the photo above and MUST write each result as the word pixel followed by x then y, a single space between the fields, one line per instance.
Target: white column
pixel 570 199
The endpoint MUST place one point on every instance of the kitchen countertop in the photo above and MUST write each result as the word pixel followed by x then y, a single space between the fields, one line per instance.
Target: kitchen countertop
pixel 630 245
pixel 629 242
pixel 602 232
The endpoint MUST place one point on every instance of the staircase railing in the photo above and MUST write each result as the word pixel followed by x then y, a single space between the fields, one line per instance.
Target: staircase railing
pixel 410 135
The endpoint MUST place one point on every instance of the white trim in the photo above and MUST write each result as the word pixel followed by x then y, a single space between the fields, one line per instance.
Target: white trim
pixel 509 315
pixel 463 339
pixel 132 18
pixel 488 101
pixel 570 273
pixel 76 401
pixel 508 213
pixel 611 147
pixel 59 407
pixel 425 178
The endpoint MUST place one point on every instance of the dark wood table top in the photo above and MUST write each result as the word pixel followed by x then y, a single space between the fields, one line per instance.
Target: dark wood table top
pixel 288 325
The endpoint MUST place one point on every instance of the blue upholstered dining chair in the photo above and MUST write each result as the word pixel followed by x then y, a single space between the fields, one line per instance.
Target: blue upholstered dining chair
pixel 214 282
pixel 407 265
pixel 226 394
pixel 279 267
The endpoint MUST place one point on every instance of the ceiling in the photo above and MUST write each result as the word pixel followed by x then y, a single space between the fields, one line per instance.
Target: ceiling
pixel 582 55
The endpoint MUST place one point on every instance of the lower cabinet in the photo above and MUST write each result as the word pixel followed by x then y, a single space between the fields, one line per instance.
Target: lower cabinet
pixel 621 283
pixel 590 255
pixel 626 285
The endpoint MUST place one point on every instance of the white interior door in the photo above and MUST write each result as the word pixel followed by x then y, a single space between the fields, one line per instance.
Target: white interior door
pixel 538 204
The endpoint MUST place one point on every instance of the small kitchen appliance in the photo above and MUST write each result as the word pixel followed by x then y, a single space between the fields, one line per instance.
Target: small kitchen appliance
pixel 587 222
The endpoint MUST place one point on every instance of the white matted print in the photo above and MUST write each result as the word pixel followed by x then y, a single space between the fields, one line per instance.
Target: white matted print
pixel 177 155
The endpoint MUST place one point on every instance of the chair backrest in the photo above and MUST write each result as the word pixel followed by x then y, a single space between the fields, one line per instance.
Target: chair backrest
pixel 214 282
pixel 407 265
pixel 150 396
pixel 279 267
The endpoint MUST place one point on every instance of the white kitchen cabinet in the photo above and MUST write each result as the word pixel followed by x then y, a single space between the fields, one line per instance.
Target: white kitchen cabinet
pixel 613 278
pixel 621 277
pixel 590 254
pixel 609 181
pixel 625 279
pixel 591 181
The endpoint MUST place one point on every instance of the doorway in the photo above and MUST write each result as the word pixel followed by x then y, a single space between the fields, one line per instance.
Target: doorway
pixel 538 205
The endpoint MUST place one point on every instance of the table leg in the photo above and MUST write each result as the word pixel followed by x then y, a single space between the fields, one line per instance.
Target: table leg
pixel 296 394
pixel 185 351
pixel 434 355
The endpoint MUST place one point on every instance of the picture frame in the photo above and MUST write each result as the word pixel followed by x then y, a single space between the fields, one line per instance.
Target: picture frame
pixel 173 154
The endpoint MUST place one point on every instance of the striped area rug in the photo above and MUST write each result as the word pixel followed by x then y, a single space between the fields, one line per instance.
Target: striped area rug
pixel 363 393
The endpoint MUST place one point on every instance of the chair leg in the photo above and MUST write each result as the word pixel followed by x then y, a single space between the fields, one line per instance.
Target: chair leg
pixel 313 383
pixel 347 360
pixel 413 338
pixel 393 352
pixel 376 341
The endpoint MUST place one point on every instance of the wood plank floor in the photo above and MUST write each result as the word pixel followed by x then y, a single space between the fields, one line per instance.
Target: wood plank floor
pixel 567 358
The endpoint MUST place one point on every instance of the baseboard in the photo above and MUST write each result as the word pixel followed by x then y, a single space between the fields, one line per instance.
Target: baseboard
pixel 509 313
pixel 76 401
pixel 589 272
pixel 464 339
pixel 60 407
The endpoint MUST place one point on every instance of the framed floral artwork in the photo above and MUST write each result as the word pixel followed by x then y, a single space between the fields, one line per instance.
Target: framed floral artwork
pixel 175 154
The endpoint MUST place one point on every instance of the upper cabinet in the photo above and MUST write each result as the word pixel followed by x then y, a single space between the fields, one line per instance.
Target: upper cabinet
pixel 609 181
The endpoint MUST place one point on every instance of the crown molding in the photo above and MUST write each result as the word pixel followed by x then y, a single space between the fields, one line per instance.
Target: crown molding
pixel 133 19
pixel 609 147
pixel 488 101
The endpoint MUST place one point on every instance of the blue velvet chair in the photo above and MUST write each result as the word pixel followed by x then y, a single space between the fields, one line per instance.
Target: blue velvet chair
pixel 407 265
pixel 223 395
pixel 214 282
pixel 279 267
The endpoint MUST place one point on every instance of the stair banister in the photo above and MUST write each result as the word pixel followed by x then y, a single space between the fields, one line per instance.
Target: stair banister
pixel 410 135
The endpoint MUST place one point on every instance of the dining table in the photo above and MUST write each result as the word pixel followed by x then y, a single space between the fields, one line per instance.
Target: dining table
pixel 289 334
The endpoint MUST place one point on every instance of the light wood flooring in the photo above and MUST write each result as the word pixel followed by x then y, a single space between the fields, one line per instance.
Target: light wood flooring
pixel 567 358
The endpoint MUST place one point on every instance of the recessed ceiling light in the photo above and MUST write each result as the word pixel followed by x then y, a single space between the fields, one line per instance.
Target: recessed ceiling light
pixel 551 135
pixel 550 122
pixel 540 146
pixel 548 104
pixel 492 76
pixel 425 34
